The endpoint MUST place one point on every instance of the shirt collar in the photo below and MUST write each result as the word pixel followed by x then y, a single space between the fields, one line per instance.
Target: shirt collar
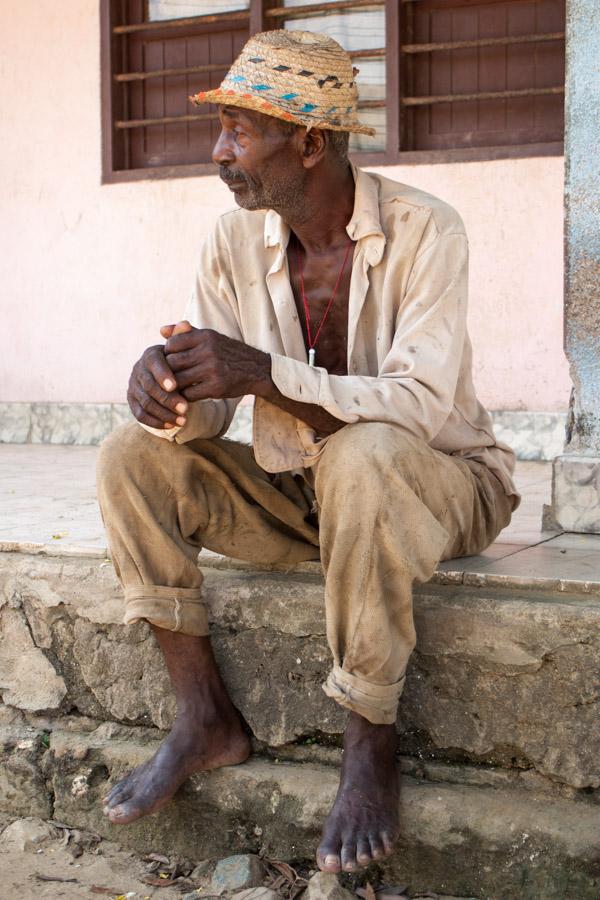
pixel 364 226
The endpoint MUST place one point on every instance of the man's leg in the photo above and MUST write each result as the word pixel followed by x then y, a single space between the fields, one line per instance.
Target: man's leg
pixel 161 503
pixel 207 732
pixel 390 508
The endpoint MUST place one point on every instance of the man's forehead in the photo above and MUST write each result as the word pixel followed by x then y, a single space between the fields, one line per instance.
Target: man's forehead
pixel 238 112
pixel 260 122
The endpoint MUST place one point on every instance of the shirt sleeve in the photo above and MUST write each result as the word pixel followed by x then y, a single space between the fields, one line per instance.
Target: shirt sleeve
pixel 212 305
pixel 416 383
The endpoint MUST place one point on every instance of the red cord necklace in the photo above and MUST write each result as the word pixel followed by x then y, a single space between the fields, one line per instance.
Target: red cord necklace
pixel 312 342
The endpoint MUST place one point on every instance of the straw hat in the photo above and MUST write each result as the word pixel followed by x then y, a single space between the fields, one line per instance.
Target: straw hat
pixel 298 76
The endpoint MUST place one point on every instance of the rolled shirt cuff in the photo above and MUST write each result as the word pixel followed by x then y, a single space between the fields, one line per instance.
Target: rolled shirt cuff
pixel 378 703
pixel 174 609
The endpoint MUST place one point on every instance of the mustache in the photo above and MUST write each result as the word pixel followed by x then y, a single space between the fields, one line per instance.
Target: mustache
pixel 229 175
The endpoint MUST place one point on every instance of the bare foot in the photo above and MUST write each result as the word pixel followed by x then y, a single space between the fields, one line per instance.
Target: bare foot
pixel 363 824
pixel 195 744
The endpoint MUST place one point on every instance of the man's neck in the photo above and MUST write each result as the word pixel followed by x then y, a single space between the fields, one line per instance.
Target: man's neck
pixel 327 208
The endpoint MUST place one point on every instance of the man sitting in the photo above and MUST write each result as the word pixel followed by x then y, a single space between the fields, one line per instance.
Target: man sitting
pixel 338 299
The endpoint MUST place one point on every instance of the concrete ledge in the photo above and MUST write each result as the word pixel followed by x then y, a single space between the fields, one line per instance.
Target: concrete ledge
pixel 486 840
pixel 85 424
pixel 492 665
pixel 533 435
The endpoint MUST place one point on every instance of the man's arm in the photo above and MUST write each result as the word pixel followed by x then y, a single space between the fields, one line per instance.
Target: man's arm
pixel 209 365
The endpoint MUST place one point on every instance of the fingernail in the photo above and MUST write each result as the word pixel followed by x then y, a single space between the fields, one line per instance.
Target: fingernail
pixel 180 420
pixel 181 407
pixel 168 384
pixel 169 425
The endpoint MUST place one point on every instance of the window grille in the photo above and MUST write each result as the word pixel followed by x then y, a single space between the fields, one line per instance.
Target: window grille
pixel 437 77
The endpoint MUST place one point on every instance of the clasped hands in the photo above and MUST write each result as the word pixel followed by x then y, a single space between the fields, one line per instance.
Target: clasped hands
pixel 193 364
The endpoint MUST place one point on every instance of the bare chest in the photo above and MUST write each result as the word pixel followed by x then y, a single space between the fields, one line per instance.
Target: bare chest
pixel 323 313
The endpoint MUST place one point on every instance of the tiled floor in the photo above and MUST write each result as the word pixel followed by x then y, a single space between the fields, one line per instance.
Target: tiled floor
pixel 48 496
pixel 47 500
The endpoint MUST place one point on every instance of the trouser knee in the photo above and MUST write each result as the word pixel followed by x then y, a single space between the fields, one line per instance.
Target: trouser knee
pixel 128 454
pixel 359 459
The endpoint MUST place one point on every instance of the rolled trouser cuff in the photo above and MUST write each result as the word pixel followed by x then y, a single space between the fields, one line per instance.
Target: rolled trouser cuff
pixel 174 609
pixel 376 702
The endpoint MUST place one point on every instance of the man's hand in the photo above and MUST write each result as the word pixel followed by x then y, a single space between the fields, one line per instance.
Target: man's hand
pixel 152 395
pixel 208 365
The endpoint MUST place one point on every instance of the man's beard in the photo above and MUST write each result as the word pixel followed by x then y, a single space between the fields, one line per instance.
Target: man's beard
pixel 283 193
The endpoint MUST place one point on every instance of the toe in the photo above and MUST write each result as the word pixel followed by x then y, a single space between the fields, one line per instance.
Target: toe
pixel 388 842
pixel 123 813
pixel 118 794
pixel 328 860
pixel 349 863
pixel 363 851
pixel 377 848
pixel 117 789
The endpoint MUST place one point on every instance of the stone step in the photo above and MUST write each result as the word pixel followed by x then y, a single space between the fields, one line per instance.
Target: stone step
pixel 479 835
pixel 505 674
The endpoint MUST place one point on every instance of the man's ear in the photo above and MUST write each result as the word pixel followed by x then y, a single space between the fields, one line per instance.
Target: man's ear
pixel 314 146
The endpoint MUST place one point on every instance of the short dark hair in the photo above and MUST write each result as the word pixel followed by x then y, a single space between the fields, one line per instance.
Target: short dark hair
pixel 338 142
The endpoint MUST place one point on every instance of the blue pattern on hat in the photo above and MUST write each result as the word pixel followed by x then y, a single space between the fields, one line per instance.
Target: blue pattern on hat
pixel 308 107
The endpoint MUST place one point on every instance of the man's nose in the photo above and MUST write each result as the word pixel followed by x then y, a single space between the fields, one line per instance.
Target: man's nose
pixel 223 150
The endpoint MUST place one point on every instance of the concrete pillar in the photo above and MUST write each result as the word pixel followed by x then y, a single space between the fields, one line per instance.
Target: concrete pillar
pixel 576 475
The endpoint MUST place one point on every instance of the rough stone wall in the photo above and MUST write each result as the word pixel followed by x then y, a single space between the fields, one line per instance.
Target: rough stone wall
pixel 501 786
pixel 503 678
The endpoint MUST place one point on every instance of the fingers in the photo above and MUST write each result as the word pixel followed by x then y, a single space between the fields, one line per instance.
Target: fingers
pixel 151 409
pixel 142 416
pixel 179 328
pixel 158 403
pixel 154 362
pixel 185 359
pixel 204 390
pixel 193 374
pixel 152 395
pixel 193 337
pixel 182 327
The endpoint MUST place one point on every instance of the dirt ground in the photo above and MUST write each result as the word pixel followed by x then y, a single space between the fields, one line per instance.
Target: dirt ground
pixel 51 860
pixel 39 860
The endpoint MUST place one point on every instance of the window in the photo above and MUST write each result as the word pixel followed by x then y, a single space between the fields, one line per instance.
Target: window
pixel 437 78
pixel 505 59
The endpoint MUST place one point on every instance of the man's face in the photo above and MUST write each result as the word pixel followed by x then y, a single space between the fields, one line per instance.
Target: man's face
pixel 259 161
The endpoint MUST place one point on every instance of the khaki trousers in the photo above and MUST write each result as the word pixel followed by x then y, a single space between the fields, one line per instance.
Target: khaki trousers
pixel 389 508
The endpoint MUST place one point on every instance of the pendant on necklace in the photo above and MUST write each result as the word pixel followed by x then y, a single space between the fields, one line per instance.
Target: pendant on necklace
pixel 311 356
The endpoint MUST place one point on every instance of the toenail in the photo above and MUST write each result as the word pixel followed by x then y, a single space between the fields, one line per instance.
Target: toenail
pixel 331 860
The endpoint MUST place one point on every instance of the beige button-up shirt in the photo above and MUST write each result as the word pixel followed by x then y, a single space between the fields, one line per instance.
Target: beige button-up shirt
pixel 409 354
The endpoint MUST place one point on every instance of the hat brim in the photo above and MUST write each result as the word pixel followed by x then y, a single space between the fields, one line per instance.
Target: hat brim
pixel 258 104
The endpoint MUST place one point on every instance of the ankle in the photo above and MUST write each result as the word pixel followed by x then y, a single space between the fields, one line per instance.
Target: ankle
pixel 361 733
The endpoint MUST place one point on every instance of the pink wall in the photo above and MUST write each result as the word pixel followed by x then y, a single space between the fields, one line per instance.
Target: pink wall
pixel 89 272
